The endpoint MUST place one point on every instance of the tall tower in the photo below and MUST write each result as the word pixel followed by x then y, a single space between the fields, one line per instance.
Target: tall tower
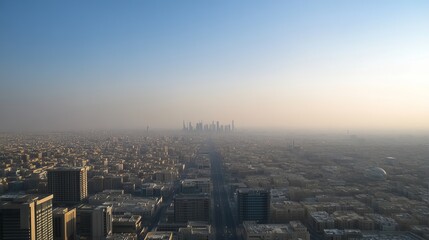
pixel 68 184
pixel 233 127
pixel 26 217
pixel 102 220
pixel 94 222
pixel 64 223
pixel 253 205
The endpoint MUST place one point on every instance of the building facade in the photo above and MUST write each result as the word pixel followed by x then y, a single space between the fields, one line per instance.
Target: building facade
pixel 26 217
pixel 69 185
pixel 191 207
pixel 253 205
pixel 64 223
pixel 94 222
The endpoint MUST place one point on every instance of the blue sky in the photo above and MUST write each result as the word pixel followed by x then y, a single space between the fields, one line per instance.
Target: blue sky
pixel 282 64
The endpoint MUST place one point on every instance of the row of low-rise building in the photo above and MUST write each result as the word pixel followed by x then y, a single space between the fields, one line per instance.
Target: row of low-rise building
pixel 106 188
pixel 353 192
pixel 292 231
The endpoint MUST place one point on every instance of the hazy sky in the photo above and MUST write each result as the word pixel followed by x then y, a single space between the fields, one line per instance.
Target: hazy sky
pixel 267 64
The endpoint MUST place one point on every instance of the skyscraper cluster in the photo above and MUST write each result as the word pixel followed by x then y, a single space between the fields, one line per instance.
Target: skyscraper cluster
pixel 208 127
pixel 25 216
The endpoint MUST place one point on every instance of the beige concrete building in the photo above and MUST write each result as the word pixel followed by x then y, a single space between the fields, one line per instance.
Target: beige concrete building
pixel 26 217
pixel 64 223
pixel 94 222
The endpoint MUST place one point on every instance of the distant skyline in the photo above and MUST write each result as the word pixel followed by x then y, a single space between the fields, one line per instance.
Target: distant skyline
pixel 332 65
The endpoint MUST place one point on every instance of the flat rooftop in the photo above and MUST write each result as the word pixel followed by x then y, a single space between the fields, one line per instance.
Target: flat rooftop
pixel 252 190
pixel 60 169
pixel 252 228
pixel 22 198
pixel 124 218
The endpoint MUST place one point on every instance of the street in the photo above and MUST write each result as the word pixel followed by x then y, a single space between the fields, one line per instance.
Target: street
pixel 223 224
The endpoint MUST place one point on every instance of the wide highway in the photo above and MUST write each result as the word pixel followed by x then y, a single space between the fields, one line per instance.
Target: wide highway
pixel 223 220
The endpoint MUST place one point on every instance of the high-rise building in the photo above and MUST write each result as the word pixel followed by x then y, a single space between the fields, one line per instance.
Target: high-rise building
pixel 253 204
pixel 102 219
pixel 64 223
pixel 191 207
pixel 94 222
pixel 26 217
pixel 68 184
pixel 84 221
pixel 184 126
